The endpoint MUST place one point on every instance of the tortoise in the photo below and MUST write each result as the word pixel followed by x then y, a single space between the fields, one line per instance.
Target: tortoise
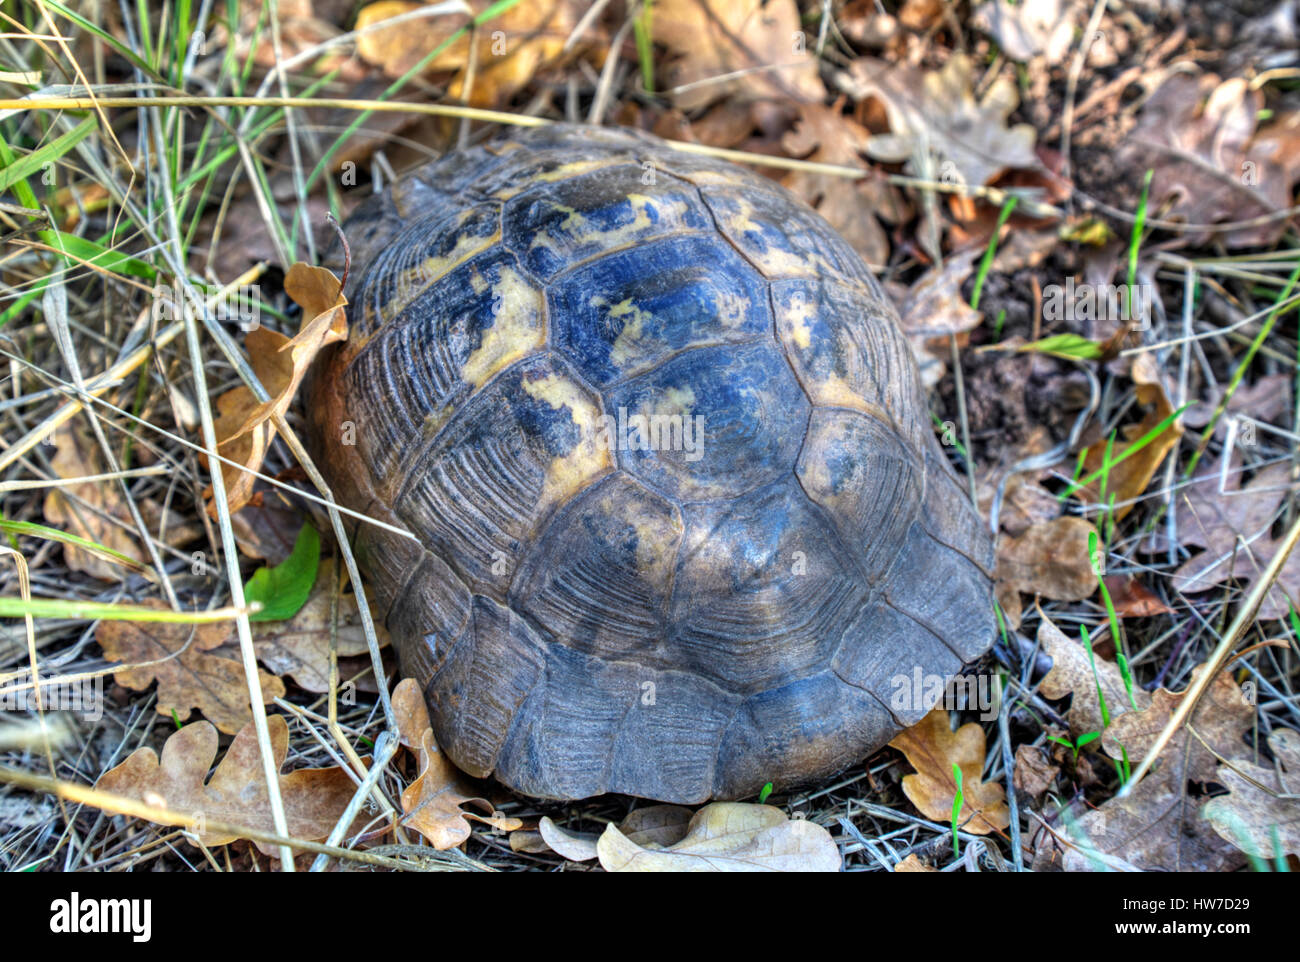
pixel 679 524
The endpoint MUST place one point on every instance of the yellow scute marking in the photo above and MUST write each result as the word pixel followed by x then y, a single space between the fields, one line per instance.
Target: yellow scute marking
pixel 568 474
pixel 417 278
pixel 516 330
pixel 795 322
pixel 656 542
pixel 628 346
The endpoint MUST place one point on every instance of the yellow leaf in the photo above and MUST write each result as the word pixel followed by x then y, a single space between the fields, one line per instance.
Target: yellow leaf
pixel 933 748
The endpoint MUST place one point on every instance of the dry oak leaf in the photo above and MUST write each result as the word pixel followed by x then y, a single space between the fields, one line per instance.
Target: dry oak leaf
pixel 1262 823
pixel 300 646
pixel 1234 525
pixel 1072 674
pixel 933 748
pixel 933 308
pixel 96 510
pixel 1132 599
pixel 1035 773
pixel 913 864
pixel 654 825
pixel 192 664
pixel 1029 28
pixel 1221 719
pixel 728 837
pixel 1127 480
pixel 938 111
pixel 826 135
pixel 314 798
pixel 1050 559
pixel 433 801
pixel 1199 136
pixel 712 38
pixel 245 428
pixel 1156 827
pixel 511 47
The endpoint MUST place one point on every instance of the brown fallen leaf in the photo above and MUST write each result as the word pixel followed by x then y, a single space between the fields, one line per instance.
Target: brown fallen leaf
pixel 1222 718
pixel 1072 674
pixel 1050 559
pixel 853 207
pixel 1156 827
pixel 1261 821
pixel 1234 525
pixel 314 798
pixel 1268 399
pixel 933 748
pixel 1030 28
pixel 913 864
pixel 937 111
pixel 712 38
pixel 300 647
pixel 728 837
pixel 1199 136
pixel 302 24
pixel 655 825
pixel 1025 502
pixel 1133 599
pixel 1159 825
pixel 1035 773
pixel 433 801
pixel 511 47
pixel 528 841
pixel 96 511
pixel 245 427
pixel 192 664
pixel 934 308
pixel 1127 480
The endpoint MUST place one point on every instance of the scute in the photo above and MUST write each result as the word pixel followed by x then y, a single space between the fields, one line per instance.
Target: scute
pixel 442 346
pixel 624 313
pixel 601 576
pixel 733 419
pixel 558 224
pixel 865 478
pixel 763 590
pixel 724 594
pixel 419 256
pixel 518 448
pixel 847 351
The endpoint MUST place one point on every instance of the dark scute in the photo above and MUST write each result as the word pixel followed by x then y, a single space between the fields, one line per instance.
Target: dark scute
pixel 943 590
pixel 431 615
pixel 783 236
pixel 842 338
pixel 764 589
pixel 866 479
pixel 600 575
pixel 421 355
pixel 415 258
pixel 624 313
pixel 559 224
pixel 476 494
pixel 882 653
pixel 487 675
pixel 753 418
pixel 812 727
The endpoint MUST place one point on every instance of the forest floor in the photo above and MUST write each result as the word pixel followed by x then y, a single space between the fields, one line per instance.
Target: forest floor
pixel 1084 212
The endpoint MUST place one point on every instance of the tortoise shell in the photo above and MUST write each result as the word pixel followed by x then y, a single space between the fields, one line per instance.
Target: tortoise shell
pixel 678 522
